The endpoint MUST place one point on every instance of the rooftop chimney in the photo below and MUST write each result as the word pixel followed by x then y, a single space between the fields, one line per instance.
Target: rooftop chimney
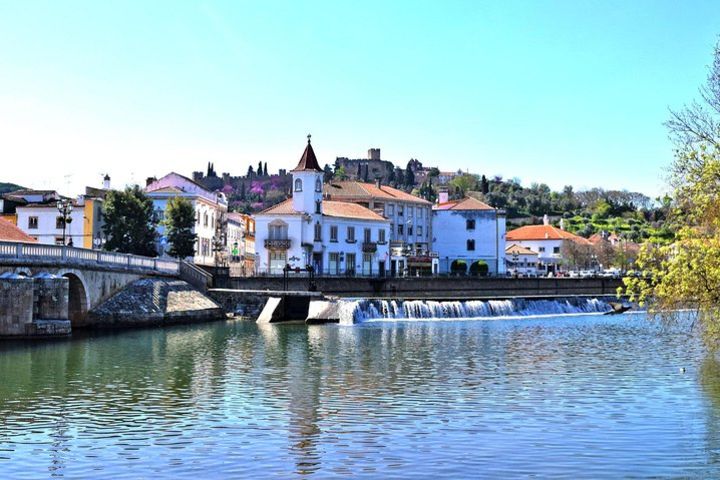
pixel 442 196
pixel 546 219
pixel 106 182
pixel 149 180
pixel 377 182
pixel 562 224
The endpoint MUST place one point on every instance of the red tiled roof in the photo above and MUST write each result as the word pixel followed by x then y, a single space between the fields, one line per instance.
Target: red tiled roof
pixel 543 232
pixel 308 161
pixel 467 203
pixel 329 208
pixel 349 210
pixel 516 249
pixel 352 191
pixel 11 233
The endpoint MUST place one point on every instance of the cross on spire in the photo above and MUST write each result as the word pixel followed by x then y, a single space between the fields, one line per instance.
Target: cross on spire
pixel 309 138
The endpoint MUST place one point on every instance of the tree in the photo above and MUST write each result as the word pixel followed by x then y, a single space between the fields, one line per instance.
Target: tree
pixel 698 124
pixel 409 176
pixel 327 173
pixel 260 169
pixel 129 223
pixel 484 186
pixel 433 172
pixel 340 173
pixel 464 183
pixel 265 170
pixel 251 172
pixel 576 255
pixel 179 224
pixel 686 273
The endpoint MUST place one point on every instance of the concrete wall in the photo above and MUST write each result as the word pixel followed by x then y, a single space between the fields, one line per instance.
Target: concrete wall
pixel 435 288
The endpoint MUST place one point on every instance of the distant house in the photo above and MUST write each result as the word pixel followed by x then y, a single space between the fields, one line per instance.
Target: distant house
pixel 466 232
pixel 241 243
pixel 409 216
pixel 521 260
pixel 547 241
pixel 210 209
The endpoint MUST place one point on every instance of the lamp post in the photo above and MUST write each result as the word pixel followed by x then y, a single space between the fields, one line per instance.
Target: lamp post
pixel 65 208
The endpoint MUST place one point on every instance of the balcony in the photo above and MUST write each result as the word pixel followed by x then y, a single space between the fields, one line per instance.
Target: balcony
pixel 277 244
pixel 369 247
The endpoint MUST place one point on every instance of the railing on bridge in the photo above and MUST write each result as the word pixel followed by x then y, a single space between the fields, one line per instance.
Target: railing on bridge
pixel 30 251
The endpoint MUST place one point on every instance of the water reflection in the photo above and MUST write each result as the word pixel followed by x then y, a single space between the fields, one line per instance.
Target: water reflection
pixel 601 396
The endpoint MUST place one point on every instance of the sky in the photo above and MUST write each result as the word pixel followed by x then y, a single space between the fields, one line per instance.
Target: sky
pixel 559 92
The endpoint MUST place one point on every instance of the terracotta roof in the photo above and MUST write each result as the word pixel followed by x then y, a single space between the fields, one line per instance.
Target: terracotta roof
pixel 516 249
pixel 350 190
pixel 329 208
pixel 349 210
pixel 282 208
pixel 543 232
pixel 308 161
pixel 467 203
pixel 11 233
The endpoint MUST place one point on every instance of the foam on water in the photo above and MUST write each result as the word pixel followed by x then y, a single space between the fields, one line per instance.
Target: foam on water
pixel 357 311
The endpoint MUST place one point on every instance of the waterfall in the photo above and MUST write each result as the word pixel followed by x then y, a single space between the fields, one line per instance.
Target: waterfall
pixel 355 311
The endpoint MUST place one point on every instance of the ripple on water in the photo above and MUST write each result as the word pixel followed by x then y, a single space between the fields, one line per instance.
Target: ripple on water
pixel 552 397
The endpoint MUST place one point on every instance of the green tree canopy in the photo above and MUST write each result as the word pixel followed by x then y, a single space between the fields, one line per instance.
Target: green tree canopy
pixel 129 223
pixel 179 224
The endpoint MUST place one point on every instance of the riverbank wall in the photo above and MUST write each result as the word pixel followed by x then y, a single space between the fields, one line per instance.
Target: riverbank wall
pixel 435 288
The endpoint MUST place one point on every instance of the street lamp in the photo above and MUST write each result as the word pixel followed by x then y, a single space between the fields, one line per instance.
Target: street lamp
pixel 65 208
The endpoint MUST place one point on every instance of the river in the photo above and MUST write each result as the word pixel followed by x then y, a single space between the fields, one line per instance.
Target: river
pixel 581 396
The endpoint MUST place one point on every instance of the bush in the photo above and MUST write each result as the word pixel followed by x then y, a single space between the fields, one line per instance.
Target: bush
pixel 458 267
pixel 480 268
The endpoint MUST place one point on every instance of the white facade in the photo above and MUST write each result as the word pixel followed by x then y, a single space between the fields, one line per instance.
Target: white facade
pixel 334 238
pixel 209 207
pixel 44 222
pixel 548 251
pixel 466 232
pixel 521 260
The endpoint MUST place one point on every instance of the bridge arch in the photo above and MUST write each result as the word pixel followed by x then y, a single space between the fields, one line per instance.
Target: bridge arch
pixel 78 298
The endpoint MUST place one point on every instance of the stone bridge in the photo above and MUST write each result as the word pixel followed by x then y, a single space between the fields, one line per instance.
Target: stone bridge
pixel 93 275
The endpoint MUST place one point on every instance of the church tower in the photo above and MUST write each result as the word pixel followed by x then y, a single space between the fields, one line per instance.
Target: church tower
pixel 307 183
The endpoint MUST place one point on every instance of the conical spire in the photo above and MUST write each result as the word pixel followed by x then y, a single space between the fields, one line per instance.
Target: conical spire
pixel 308 161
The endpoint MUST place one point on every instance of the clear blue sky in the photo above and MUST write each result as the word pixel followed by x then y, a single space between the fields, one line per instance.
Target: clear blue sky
pixel 570 92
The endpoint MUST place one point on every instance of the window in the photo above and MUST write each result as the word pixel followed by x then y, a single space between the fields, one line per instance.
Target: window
pixel 350 234
pixel 556 249
pixel 367 238
pixel 400 210
pixel 391 210
pixel 277 261
pixel 205 219
pixel 381 236
pixel 318 185
pixel 419 231
pixel 471 245
pixel 334 260
pixel 318 207
pixel 410 211
pixel 318 232
pixel 410 229
pixel 541 249
pixel 32 223
pixel 401 229
pixel 159 214
pixel 298 185
pixel 58 241
pixel 333 233
pixel 367 264
pixel 350 263
pixel 59 224
pixel 278 231
pixel 470 224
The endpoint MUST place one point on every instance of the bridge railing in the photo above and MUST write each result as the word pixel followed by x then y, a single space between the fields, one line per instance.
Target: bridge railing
pixel 30 251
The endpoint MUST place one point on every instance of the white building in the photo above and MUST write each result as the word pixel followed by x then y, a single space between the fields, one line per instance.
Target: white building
pixel 547 241
pixel 38 216
pixel 521 260
pixel 241 243
pixel 335 238
pixel 466 233
pixel 210 208
pixel 410 220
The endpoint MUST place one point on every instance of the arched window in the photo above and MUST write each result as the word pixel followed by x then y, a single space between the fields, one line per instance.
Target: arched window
pixel 298 185
pixel 318 232
pixel 318 185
